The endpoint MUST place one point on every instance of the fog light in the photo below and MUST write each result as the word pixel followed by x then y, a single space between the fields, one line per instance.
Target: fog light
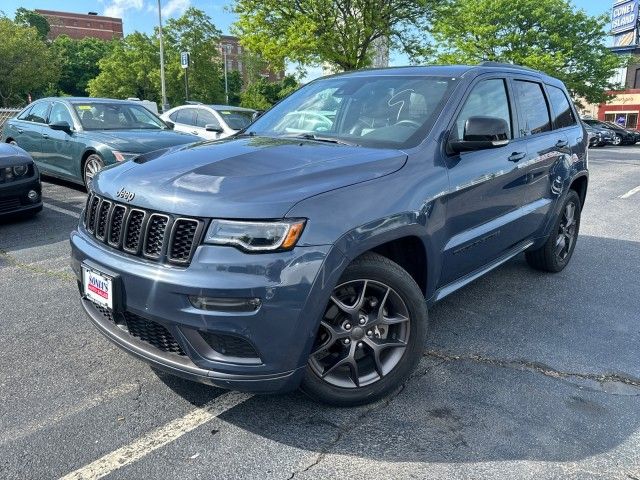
pixel 225 304
pixel 33 195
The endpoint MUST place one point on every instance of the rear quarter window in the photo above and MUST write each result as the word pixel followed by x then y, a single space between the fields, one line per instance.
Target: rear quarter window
pixel 562 112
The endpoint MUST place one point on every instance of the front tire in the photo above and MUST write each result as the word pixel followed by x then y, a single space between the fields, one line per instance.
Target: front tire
pixel 371 335
pixel 555 254
pixel 617 140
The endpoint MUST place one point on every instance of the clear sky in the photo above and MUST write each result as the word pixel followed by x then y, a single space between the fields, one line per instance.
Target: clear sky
pixel 142 15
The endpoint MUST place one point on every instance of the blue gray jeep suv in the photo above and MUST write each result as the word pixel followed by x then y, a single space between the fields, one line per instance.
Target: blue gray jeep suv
pixel 305 250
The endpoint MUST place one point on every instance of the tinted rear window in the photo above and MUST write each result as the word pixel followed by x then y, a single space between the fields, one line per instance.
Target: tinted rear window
pixel 563 115
pixel 533 109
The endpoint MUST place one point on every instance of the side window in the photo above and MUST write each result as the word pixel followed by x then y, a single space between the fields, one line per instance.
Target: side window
pixel 487 99
pixel 60 113
pixel 205 117
pixel 563 115
pixel 174 116
pixel 25 113
pixel 186 116
pixel 38 113
pixel 532 107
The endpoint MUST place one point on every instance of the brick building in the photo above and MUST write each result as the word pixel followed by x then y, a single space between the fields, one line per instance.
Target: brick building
pixel 80 25
pixel 237 60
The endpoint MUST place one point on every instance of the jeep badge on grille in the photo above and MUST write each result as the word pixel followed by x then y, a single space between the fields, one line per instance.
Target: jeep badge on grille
pixel 125 195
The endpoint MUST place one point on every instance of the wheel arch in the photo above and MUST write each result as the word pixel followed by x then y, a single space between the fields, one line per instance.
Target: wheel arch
pixel 579 184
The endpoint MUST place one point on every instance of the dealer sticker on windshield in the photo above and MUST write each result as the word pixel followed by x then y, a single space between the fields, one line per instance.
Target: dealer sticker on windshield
pixel 97 287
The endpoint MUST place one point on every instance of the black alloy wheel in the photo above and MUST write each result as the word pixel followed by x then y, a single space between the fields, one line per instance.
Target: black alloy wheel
pixel 370 336
pixel 555 254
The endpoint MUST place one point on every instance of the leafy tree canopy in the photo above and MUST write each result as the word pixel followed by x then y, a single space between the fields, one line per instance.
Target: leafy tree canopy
pixel 261 94
pixel 26 63
pixel 30 18
pixel 79 61
pixel 547 35
pixel 341 33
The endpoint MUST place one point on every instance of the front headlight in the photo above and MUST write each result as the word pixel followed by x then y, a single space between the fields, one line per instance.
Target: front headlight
pixel 124 156
pixel 20 170
pixel 255 236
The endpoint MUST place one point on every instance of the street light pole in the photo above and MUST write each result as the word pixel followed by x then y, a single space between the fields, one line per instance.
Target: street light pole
pixel 165 104
pixel 226 84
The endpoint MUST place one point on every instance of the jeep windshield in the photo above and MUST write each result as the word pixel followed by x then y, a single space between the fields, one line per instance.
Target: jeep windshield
pixel 382 111
pixel 116 116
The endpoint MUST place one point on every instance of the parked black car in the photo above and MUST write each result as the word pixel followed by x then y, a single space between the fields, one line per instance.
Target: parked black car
pixel 621 136
pixel 634 132
pixel 20 191
pixel 599 137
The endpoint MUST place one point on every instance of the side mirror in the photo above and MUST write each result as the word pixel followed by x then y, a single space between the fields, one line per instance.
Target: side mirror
pixel 61 126
pixel 212 127
pixel 481 133
pixel 170 124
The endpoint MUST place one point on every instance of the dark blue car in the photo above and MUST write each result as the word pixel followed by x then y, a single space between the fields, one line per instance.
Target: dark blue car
pixel 306 250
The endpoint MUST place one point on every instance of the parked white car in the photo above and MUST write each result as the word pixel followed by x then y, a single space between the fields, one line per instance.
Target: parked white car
pixel 210 122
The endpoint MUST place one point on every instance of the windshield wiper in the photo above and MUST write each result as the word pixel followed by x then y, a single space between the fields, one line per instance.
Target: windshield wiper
pixel 316 138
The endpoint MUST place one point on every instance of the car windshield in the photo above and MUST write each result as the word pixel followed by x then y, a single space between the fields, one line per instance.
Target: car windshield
pixel 236 119
pixel 116 116
pixel 385 111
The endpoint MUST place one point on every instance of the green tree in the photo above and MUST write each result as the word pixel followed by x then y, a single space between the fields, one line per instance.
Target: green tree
pixel 79 62
pixel 195 33
pixel 27 66
pixel 132 69
pixel 547 35
pixel 341 33
pixel 30 18
pixel 261 95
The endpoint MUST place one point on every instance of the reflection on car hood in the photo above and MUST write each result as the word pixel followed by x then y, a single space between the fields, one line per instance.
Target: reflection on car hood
pixel 140 140
pixel 254 177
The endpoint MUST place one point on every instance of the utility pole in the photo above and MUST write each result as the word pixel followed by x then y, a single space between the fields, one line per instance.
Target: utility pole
pixel 165 104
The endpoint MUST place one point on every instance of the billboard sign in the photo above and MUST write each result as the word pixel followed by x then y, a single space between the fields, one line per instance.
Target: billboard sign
pixel 624 17
pixel 185 59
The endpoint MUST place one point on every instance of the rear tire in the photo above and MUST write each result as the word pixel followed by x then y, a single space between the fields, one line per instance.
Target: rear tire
pixel 92 165
pixel 555 254
pixel 371 335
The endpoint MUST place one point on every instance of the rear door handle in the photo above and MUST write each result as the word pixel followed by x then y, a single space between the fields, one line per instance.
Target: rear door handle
pixel 45 135
pixel 194 132
pixel 517 156
pixel 561 143
pixel 20 130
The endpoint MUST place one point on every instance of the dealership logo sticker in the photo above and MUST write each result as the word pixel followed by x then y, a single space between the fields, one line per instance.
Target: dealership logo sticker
pixel 125 195
pixel 99 287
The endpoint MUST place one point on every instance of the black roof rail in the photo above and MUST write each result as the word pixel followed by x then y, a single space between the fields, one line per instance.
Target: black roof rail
pixel 509 65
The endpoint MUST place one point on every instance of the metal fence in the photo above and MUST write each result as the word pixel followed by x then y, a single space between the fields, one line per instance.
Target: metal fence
pixel 6 114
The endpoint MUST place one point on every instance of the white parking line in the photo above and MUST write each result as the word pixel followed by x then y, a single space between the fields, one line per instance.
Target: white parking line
pixel 47 421
pixel 633 191
pixel 61 210
pixel 158 438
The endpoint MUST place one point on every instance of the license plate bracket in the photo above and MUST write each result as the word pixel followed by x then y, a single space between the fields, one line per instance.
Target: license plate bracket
pixel 101 286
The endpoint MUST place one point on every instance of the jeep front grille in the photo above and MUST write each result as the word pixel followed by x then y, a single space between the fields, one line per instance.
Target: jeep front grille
pixel 153 235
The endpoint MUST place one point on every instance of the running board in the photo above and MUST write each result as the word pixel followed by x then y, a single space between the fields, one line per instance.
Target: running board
pixel 452 287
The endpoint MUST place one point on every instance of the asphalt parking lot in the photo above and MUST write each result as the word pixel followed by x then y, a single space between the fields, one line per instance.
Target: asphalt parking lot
pixel 525 375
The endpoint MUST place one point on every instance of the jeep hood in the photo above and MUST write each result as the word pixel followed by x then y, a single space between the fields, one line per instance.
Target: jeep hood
pixel 248 177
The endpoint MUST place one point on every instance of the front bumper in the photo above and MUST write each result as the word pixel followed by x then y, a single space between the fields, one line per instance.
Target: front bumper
pixel 293 287
pixel 14 199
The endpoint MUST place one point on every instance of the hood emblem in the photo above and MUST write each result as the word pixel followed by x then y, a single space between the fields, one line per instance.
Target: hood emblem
pixel 125 195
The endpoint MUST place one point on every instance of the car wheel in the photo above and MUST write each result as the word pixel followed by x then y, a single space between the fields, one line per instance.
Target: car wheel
pixel 92 165
pixel 371 335
pixel 555 254
pixel 617 140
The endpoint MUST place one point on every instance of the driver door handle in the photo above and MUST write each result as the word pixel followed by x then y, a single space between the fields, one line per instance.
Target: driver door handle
pixel 517 156
pixel 45 135
pixel 561 143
